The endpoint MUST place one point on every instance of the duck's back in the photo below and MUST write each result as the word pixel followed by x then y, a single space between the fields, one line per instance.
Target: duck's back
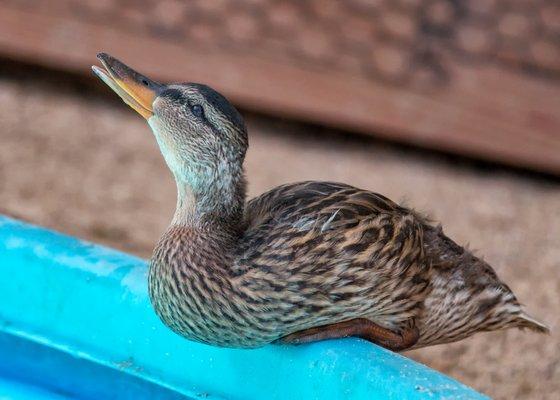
pixel 326 252
pixel 329 252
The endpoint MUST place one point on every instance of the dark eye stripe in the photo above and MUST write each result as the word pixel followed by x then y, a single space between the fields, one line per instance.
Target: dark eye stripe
pixel 173 94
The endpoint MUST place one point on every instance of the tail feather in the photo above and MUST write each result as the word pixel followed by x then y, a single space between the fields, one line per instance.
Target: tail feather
pixel 466 296
pixel 524 320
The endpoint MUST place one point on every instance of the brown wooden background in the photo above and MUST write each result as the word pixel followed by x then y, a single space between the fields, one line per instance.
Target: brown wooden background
pixel 478 77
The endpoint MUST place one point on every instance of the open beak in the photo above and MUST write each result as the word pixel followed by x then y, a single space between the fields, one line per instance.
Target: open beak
pixel 135 89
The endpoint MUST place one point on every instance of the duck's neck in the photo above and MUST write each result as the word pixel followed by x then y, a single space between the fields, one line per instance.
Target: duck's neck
pixel 216 201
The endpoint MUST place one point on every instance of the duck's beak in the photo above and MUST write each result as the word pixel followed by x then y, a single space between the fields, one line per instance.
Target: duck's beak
pixel 135 89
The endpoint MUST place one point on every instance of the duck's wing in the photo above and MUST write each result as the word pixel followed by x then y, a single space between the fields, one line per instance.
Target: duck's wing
pixel 298 202
pixel 326 213
pixel 334 252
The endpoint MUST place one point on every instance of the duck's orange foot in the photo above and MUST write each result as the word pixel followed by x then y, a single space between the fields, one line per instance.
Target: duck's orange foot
pixel 359 327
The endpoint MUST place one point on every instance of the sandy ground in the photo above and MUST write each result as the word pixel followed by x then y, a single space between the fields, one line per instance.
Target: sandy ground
pixel 74 159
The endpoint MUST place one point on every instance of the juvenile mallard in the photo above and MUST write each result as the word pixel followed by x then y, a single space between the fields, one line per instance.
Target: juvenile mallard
pixel 303 262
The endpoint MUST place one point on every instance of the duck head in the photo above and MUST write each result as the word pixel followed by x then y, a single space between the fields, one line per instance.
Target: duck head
pixel 202 137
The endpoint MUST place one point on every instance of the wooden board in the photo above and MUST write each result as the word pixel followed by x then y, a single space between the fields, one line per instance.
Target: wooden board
pixel 480 78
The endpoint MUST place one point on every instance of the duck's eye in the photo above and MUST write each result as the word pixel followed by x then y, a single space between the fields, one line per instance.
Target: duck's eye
pixel 197 110
pixel 145 82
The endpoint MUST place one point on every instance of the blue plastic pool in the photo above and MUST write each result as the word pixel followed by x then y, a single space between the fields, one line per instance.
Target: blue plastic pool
pixel 75 322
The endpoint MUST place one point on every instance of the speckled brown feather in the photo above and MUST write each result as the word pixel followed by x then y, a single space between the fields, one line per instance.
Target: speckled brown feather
pixel 318 253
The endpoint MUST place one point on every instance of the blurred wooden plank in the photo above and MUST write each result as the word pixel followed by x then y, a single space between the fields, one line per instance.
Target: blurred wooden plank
pixel 484 110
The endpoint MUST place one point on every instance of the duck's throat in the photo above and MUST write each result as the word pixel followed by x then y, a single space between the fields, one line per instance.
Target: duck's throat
pixel 217 201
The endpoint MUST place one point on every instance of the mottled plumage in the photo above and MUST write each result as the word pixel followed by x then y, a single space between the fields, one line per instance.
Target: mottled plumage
pixel 304 261
pixel 316 253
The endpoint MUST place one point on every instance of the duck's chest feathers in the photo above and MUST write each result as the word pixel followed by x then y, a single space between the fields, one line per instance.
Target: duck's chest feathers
pixel 191 291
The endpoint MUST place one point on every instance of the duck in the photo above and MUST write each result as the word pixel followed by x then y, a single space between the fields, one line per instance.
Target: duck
pixel 303 262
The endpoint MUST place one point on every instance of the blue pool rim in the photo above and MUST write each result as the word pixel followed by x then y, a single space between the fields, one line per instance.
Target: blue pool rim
pixel 75 320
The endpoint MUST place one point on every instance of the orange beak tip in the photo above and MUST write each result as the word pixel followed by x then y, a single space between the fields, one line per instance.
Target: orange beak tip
pixel 127 83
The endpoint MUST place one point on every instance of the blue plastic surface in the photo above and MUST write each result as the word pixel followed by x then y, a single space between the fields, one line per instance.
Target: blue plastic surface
pixel 75 322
